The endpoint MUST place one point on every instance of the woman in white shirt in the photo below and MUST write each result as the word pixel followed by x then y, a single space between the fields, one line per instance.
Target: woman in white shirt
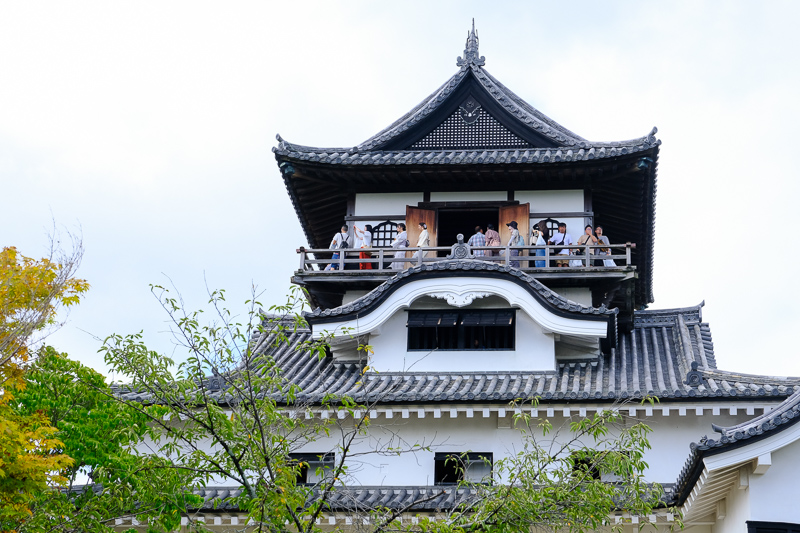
pixel 365 236
pixel 400 243
pixel 602 239
pixel 423 241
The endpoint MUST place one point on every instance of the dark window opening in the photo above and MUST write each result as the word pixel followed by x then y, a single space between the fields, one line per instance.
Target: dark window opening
pixel 584 465
pixel 451 222
pixel 313 467
pixel 488 329
pixel 453 468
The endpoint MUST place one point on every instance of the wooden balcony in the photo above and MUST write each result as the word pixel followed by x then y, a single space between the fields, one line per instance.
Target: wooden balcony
pixel 539 261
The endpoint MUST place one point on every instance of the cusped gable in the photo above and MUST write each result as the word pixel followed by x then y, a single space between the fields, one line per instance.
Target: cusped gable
pixel 458 309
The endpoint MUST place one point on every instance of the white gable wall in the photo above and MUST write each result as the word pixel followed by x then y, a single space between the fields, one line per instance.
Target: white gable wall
pixel 534 350
pixel 774 495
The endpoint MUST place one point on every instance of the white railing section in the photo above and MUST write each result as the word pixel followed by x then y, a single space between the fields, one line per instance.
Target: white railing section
pixel 590 258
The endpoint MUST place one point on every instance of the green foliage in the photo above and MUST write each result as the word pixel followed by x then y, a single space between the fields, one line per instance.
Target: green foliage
pixel 31 292
pixel 228 414
pixel 575 480
pixel 99 435
pixel 223 413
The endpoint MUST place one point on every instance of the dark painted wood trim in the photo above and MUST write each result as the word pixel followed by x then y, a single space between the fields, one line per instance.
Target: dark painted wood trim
pixel 563 214
pixel 587 207
pixel 382 218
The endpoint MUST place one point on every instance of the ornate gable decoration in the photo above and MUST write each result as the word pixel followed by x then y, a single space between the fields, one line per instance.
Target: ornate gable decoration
pixel 470 127
pixel 471 57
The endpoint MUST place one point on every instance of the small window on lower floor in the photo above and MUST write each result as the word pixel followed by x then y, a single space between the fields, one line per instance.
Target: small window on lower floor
pixel 584 465
pixel 597 465
pixel 451 468
pixel 313 466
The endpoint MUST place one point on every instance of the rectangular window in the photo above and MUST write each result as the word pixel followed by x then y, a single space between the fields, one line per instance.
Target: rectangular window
pixel 481 329
pixel 313 466
pixel 453 467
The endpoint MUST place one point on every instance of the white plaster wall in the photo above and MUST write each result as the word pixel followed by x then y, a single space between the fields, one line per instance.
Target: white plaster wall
pixel 581 295
pixel 563 201
pixel 534 349
pixel 737 507
pixel 774 494
pixel 672 435
pixel 469 196
pixel 670 447
pixel 385 204
pixel 349 296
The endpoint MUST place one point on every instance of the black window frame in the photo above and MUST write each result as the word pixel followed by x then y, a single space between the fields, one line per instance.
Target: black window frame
pixel 450 467
pixel 384 234
pixel 305 462
pixel 759 526
pixel 463 330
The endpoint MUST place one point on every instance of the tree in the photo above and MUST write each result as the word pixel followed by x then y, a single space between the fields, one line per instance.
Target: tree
pixel 99 436
pixel 31 293
pixel 229 414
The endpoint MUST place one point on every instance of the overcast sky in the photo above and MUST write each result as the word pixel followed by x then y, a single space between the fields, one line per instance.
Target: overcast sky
pixel 149 126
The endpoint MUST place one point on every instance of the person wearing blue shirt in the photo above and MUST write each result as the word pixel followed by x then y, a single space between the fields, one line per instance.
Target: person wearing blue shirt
pixel 478 240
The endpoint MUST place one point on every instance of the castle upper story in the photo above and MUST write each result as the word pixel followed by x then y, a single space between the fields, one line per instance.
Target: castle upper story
pixel 472 155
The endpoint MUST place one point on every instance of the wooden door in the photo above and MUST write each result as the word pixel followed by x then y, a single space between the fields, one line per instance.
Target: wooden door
pixel 521 214
pixel 415 215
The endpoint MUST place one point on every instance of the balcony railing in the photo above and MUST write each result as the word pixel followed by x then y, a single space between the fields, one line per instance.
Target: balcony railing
pixel 587 258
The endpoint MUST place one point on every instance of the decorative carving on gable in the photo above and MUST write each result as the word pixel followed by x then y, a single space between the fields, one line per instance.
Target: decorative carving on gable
pixel 459 300
pixel 471 56
pixel 470 127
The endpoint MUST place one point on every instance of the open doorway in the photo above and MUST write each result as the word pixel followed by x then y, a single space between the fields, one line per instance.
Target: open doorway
pixel 452 221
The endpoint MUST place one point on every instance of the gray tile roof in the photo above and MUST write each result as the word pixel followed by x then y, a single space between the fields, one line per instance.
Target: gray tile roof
pixel 570 146
pixel 344 156
pixel 654 359
pixel 782 417
pixel 669 354
pixel 365 498
pixel 467 267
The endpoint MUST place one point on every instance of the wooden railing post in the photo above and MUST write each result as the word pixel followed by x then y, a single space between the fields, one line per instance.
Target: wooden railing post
pixel 547 256
pixel 627 254
pixel 380 259
pixel 508 254
pixel 586 251
pixel 302 252
pixel 341 258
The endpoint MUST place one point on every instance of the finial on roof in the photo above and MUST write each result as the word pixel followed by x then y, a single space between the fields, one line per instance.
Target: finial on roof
pixel 471 57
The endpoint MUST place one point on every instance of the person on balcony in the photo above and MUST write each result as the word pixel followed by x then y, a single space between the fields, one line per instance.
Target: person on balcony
pixel 492 239
pixel 423 241
pixel 479 239
pixel 587 238
pixel 537 236
pixel 365 236
pixel 562 238
pixel 400 243
pixel 514 240
pixel 339 242
pixel 602 239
